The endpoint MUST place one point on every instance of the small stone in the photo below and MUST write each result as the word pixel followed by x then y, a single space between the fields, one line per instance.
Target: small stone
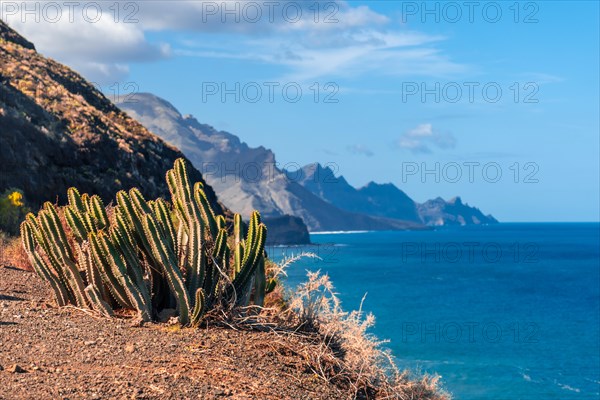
pixel 16 369
pixel 89 342
pixel 129 348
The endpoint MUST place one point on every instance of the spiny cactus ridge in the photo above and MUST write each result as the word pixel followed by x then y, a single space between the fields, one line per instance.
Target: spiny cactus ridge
pixel 148 255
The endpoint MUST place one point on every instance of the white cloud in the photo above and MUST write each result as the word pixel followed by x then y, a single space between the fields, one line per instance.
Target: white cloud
pixel 342 54
pixel 255 17
pixel 421 138
pixel 100 50
pixel 360 149
pixel 340 40
pixel 102 73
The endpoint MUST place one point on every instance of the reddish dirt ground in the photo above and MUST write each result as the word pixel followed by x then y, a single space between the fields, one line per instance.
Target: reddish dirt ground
pixel 69 354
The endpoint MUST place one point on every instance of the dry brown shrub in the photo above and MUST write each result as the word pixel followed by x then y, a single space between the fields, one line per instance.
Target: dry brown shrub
pixel 348 355
pixel 12 253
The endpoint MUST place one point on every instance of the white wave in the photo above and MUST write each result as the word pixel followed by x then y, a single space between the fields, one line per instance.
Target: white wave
pixel 567 387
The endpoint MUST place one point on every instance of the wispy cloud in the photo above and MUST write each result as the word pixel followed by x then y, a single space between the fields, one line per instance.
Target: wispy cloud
pixel 341 40
pixel 344 52
pixel 254 18
pixel 360 149
pixel 422 138
pixel 540 78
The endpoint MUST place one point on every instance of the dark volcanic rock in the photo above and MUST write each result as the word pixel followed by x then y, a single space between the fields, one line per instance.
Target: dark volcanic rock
pixel 286 229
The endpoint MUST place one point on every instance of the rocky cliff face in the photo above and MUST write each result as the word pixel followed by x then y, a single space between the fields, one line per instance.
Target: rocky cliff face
pixel 246 178
pixel 382 200
pixel 57 131
pixel 438 212
pixel 386 200
pixel 286 230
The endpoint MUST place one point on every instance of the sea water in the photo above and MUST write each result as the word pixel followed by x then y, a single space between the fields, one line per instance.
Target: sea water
pixel 506 311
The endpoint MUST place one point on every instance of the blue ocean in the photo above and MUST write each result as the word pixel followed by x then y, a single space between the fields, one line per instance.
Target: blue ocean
pixel 506 311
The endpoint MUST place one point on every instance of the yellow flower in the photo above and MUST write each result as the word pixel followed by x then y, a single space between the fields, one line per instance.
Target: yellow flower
pixel 16 199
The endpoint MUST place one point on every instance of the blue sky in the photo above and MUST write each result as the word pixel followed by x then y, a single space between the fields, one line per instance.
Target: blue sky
pixel 375 59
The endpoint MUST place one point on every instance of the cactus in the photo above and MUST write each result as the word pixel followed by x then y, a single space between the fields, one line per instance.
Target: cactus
pixel 132 217
pixel 207 213
pixel 260 282
pixel 75 200
pixel 199 307
pixel 119 271
pixel 97 303
pixel 98 211
pixel 165 221
pixel 85 263
pixel 196 270
pixel 105 268
pixel 169 266
pixel 181 193
pixel 40 267
pixel 148 255
pixel 254 248
pixel 62 252
pixel 44 246
pixel 76 223
pixel 125 243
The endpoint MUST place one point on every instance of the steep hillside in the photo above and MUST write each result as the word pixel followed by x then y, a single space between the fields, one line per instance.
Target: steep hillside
pixel 57 131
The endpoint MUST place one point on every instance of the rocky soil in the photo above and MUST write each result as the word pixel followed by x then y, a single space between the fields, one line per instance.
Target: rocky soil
pixel 51 353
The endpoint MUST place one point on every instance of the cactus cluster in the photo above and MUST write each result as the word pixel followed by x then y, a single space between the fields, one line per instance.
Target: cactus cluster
pixel 148 255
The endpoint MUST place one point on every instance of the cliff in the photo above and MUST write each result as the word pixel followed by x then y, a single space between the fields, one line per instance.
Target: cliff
pixel 438 212
pixel 57 131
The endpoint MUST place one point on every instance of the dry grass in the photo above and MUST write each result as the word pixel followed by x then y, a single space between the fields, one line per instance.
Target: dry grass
pixel 338 346
pixel 12 252
pixel 350 356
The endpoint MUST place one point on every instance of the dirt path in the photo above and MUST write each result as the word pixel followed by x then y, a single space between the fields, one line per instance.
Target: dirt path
pixel 67 354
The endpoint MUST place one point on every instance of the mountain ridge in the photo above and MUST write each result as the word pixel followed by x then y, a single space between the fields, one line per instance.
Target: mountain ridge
pixel 381 200
pixel 247 178
pixel 388 201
